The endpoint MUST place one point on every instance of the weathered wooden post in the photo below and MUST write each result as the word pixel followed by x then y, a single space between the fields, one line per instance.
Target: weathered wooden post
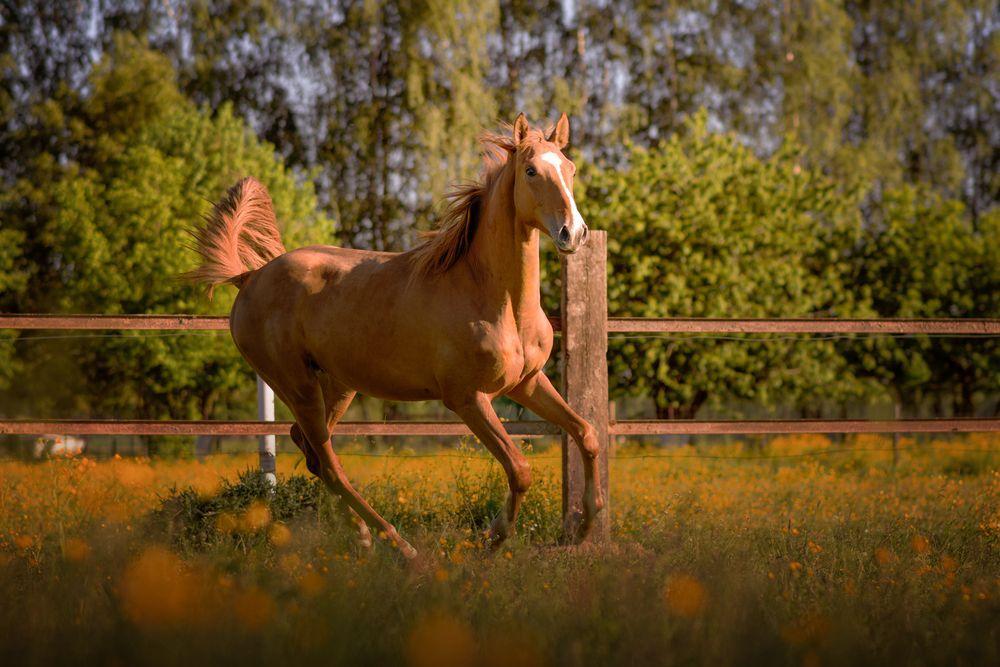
pixel 266 443
pixel 585 368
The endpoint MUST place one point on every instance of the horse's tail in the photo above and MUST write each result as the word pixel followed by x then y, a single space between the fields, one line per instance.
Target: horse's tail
pixel 238 237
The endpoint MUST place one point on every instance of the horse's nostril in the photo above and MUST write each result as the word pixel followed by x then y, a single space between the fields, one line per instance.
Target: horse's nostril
pixel 563 235
pixel 586 233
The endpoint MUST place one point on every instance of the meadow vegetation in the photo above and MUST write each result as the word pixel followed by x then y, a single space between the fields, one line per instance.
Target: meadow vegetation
pixel 798 551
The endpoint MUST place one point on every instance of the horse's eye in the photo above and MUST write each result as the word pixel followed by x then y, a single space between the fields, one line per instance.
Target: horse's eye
pixel 530 171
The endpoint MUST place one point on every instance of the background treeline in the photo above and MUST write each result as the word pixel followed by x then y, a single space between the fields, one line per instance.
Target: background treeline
pixel 762 158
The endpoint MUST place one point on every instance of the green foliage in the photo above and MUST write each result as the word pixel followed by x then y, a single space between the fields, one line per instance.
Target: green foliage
pixel 192 520
pixel 13 280
pixel 382 100
pixel 106 220
pixel 701 227
pixel 925 260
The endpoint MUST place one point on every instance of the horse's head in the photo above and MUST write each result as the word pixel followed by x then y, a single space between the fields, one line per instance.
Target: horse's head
pixel 543 185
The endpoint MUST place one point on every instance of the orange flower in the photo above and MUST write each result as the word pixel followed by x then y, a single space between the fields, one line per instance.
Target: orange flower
pixel 289 563
pixel 884 556
pixel 280 535
pixel 440 640
pixel 311 583
pixel 225 522
pixel 256 517
pixel 920 544
pixel 155 591
pixel 76 549
pixel 948 564
pixel 685 596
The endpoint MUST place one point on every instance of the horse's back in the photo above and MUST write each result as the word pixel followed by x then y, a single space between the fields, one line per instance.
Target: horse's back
pixel 343 310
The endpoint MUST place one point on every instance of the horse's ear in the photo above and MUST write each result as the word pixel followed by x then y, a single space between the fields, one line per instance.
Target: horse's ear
pixel 520 128
pixel 560 133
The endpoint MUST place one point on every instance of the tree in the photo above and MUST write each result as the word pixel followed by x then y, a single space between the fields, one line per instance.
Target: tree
pixel 925 260
pixel 385 96
pixel 700 227
pixel 106 231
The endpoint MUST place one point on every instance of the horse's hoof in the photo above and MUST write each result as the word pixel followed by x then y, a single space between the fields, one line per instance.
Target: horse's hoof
pixel 497 534
pixel 492 541
pixel 578 527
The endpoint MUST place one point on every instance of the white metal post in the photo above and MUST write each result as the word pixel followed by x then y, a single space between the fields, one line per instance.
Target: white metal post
pixel 266 443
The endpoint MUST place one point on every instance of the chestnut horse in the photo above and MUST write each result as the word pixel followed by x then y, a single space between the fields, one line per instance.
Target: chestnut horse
pixel 457 318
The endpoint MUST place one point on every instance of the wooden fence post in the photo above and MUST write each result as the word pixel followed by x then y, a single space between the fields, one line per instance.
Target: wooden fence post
pixel 585 368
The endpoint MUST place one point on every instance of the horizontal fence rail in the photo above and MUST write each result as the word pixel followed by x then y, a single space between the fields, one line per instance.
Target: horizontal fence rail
pixel 182 322
pixel 703 325
pixel 629 427
pixel 123 322
pixel 961 327
pixel 249 428
pixel 752 426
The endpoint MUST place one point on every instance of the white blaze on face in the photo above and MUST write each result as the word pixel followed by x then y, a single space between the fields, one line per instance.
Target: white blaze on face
pixel 556 161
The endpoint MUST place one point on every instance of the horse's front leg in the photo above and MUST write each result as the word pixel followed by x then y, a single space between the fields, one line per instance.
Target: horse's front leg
pixel 538 395
pixel 477 412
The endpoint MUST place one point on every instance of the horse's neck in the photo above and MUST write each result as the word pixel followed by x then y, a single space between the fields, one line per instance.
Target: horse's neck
pixel 504 253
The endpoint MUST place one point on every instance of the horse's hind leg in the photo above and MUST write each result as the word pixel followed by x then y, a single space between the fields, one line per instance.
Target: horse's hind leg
pixel 337 400
pixel 312 463
pixel 316 421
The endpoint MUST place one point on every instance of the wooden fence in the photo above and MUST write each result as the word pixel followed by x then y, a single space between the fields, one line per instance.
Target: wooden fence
pixel 584 326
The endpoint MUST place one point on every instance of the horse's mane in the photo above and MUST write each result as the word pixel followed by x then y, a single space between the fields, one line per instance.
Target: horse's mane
pixel 447 244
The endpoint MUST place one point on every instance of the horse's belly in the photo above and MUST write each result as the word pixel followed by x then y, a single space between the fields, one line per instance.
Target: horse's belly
pixel 393 390
pixel 389 372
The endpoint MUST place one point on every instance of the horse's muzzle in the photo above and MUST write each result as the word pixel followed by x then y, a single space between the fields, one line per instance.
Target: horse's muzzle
pixel 569 240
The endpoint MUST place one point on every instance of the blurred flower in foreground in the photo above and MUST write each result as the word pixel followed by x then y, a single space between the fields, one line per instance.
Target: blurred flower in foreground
pixel 884 556
pixel 685 596
pixel 280 535
pixel 254 608
pixel 948 564
pixel 311 583
pixel 76 549
pixel 440 641
pixel 225 522
pixel 256 517
pixel 156 590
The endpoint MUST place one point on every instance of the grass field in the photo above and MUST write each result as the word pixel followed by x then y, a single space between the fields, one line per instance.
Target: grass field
pixel 721 555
